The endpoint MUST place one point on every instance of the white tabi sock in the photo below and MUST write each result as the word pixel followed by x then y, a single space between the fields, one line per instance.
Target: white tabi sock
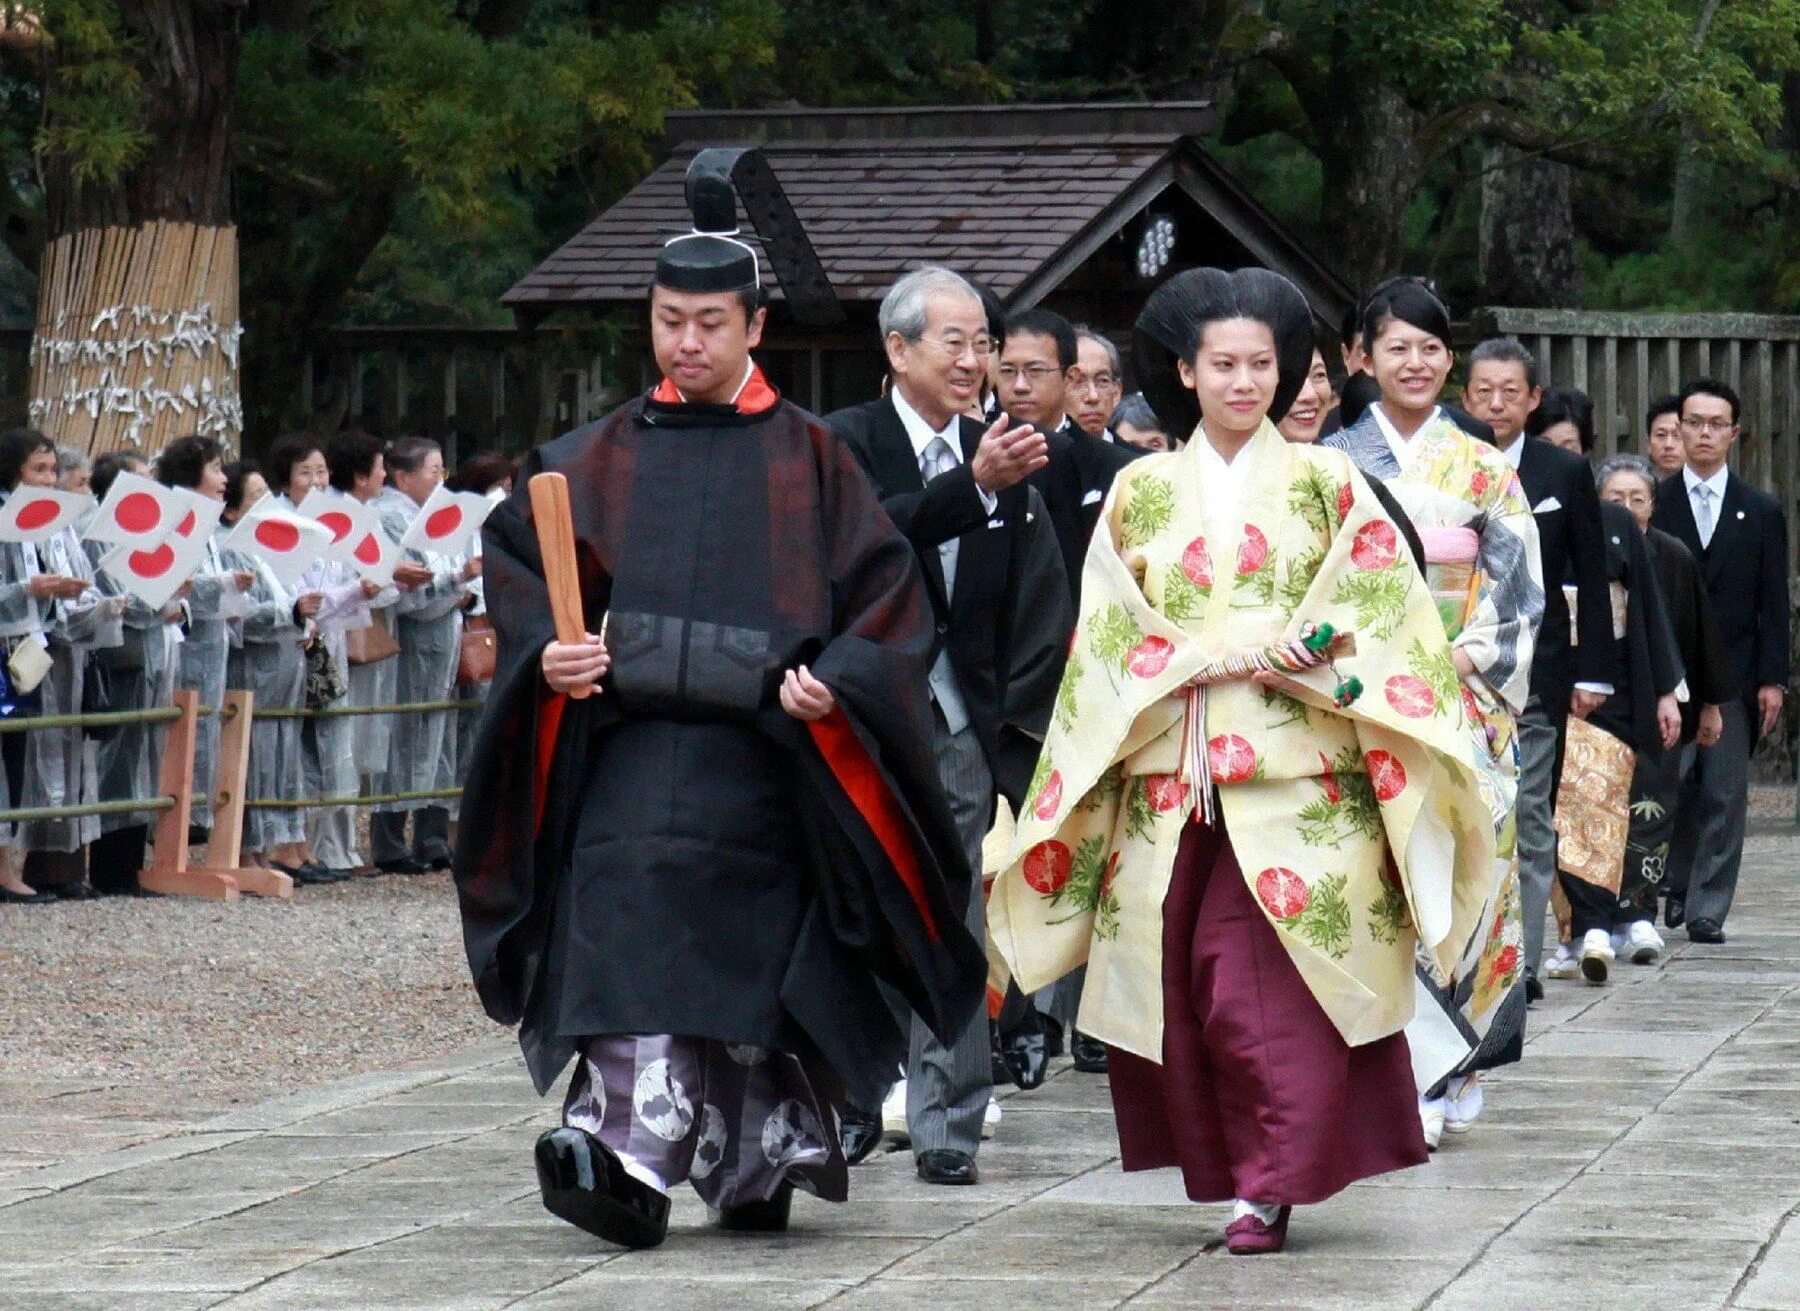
pixel 1264 1211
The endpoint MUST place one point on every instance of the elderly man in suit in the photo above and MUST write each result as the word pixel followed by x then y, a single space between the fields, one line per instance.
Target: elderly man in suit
pixel 1739 535
pixel 1569 665
pixel 959 495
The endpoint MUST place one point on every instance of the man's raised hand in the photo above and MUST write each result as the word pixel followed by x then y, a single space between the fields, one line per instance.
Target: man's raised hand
pixel 1008 455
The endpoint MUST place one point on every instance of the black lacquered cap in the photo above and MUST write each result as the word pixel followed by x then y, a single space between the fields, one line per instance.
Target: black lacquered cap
pixel 712 257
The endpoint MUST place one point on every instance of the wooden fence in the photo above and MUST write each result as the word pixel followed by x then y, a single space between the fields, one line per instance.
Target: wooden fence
pixel 1625 361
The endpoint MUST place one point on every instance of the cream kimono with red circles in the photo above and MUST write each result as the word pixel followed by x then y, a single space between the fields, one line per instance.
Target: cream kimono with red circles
pixel 1360 831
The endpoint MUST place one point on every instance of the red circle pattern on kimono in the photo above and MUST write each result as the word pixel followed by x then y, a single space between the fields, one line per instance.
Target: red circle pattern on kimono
pixel 1375 546
pixel 138 512
pixel 1410 696
pixel 1283 893
pixel 1334 792
pixel 1165 792
pixel 1346 501
pixel 152 564
pixel 1254 553
pixel 37 514
pixel 278 536
pixel 1231 758
pixel 1196 563
pixel 1386 774
pixel 1046 867
pixel 1150 657
pixel 1050 799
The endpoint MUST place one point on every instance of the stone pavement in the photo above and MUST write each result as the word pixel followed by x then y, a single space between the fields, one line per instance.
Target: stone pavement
pixel 1645 1155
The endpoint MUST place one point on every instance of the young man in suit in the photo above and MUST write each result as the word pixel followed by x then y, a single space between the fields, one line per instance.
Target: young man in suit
pixel 1568 669
pixel 1739 535
pixel 960 497
pixel 1041 351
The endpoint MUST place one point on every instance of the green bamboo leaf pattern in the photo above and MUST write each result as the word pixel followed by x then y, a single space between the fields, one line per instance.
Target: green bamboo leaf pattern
pixel 1181 599
pixel 1348 807
pixel 1437 670
pixel 1313 497
pixel 1113 635
pixel 1379 598
pixel 1325 923
pixel 1089 889
pixel 1068 692
pixel 1106 789
pixel 1388 916
pixel 1293 710
pixel 1149 507
pixel 1301 571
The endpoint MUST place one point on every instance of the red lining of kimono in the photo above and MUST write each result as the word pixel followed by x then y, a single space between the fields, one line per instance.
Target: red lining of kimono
pixel 857 775
pixel 757 395
pixel 548 722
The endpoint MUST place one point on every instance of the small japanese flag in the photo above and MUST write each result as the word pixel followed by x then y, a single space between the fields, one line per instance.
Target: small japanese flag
pixel 447 522
pixel 33 513
pixel 357 538
pixel 281 539
pixel 137 511
pixel 154 574
pixel 200 515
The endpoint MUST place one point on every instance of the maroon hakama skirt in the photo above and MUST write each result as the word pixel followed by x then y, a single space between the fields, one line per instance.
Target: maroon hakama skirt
pixel 1258 1097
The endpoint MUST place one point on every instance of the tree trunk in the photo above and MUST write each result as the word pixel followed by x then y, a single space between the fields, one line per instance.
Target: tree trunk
pixel 1372 168
pixel 1528 254
pixel 137 325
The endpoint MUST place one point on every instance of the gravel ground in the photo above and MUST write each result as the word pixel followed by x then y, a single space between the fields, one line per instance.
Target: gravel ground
pixel 123 1019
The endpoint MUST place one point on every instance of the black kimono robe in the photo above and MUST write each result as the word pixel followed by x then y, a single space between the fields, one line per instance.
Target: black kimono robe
pixel 676 854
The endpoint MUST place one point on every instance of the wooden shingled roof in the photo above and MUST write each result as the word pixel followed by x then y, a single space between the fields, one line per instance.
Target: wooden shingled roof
pixel 1008 197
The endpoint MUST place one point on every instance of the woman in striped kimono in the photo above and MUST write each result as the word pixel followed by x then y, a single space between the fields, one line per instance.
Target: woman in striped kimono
pixel 1483 569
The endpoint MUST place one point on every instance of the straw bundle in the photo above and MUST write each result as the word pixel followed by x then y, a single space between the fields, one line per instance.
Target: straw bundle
pixel 137 337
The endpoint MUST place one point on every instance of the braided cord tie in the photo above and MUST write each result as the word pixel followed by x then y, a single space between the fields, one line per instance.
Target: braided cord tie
pixel 1315 647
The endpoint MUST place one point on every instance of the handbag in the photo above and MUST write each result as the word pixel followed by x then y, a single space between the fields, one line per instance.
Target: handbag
pixel 371 645
pixel 479 647
pixel 324 684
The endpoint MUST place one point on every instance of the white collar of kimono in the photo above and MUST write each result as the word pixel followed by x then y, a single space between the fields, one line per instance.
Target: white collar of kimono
pixel 920 433
pixel 1221 481
pixel 749 368
pixel 1401 446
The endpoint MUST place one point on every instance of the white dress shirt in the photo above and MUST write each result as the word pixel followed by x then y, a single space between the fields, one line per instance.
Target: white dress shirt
pixel 1516 451
pixel 1706 520
pixel 922 434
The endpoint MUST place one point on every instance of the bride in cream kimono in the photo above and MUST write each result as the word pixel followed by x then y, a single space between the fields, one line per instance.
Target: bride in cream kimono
pixel 1483 568
pixel 1250 949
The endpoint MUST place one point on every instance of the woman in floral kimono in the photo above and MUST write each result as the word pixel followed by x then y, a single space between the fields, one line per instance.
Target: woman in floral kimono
pixel 1483 569
pixel 1257 792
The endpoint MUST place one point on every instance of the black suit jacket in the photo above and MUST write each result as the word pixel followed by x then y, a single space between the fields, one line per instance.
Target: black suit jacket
pixel 1074 485
pixel 1560 486
pixel 1745 568
pixel 976 623
pixel 1711 676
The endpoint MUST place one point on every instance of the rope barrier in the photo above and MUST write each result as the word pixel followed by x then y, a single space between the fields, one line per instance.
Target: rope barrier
pixel 335 712
pixel 378 799
pixel 27 813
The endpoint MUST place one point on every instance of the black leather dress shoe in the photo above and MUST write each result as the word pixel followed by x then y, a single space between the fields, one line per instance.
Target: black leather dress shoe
pixel 860 1134
pixel 1027 1059
pixel 10 898
pixel 1089 1053
pixel 74 892
pixel 1534 991
pixel 1705 931
pixel 766 1217
pixel 1675 911
pixel 403 865
pixel 583 1182
pixel 946 1165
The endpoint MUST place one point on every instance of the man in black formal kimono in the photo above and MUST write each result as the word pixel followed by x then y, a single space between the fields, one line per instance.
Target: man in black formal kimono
pixel 1738 533
pixel 692 881
pixel 960 497
pixel 1568 676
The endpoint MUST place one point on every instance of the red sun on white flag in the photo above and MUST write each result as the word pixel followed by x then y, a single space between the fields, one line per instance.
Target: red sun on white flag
pixel 33 513
pixel 137 510
pixel 447 522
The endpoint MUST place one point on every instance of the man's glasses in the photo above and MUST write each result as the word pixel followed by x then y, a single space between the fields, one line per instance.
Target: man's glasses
pixel 1035 374
pixel 1717 427
pixel 1092 381
pixel 957 347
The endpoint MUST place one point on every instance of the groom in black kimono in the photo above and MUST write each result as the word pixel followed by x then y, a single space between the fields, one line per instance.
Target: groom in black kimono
pixel 691 881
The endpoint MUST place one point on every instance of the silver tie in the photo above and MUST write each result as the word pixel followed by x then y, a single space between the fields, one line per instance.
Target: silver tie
pixel 1703 513
pixel 939 458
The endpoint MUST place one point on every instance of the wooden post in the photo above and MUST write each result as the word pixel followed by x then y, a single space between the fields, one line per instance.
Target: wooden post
pixel 169 873
pixel 224 848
